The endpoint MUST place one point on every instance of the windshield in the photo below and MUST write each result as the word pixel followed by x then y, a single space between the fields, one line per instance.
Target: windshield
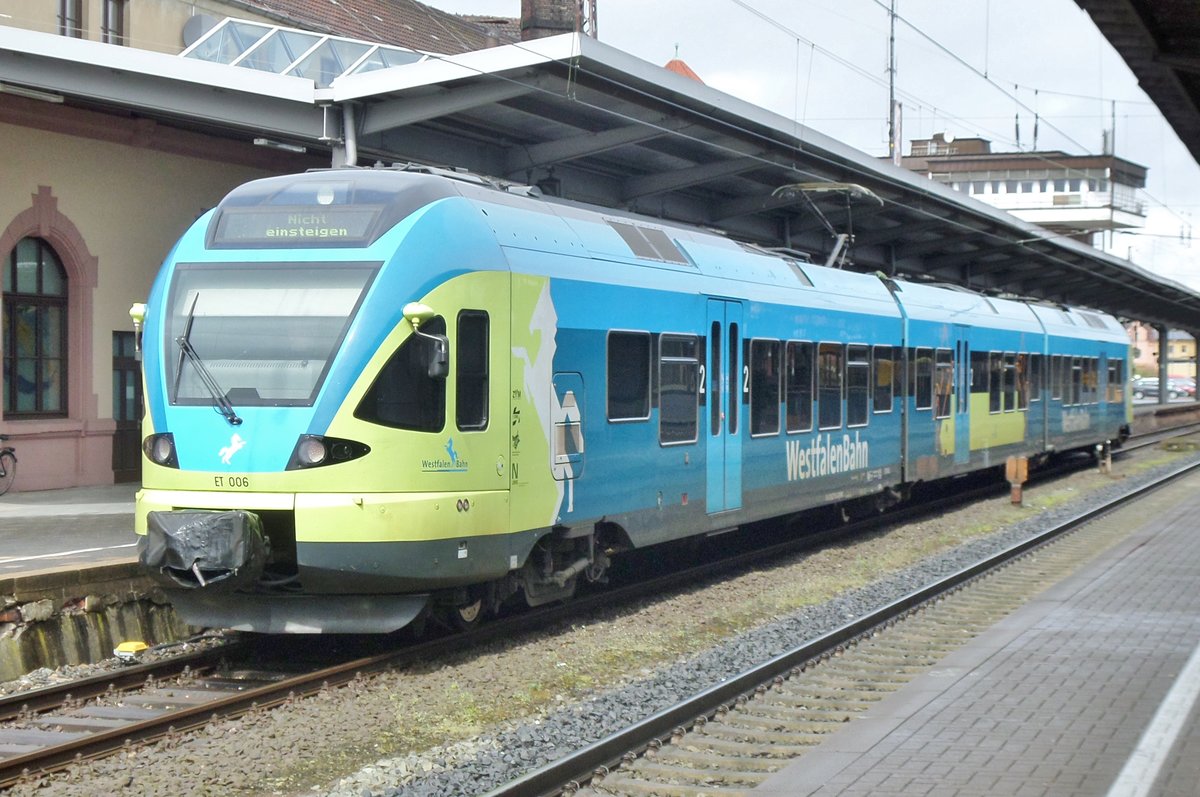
pixel 266 332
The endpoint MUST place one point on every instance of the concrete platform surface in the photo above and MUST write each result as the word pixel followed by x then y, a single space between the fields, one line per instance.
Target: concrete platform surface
pixel 1089 689
pixel 70 528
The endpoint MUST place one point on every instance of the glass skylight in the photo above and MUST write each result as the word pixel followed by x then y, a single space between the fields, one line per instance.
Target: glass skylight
pixel 286 51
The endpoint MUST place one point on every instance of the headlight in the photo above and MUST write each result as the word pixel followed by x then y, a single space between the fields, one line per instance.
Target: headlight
pixel 313 451
pixel 160 449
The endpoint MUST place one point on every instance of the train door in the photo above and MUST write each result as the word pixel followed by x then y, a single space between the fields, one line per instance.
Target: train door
pixel 962 393
pixel 723 383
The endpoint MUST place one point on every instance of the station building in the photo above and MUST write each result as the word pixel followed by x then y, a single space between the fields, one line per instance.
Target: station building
pixel 1076 195
pixel 94 199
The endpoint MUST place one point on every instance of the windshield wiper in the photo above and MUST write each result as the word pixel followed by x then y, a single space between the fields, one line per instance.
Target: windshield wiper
pixel 221 402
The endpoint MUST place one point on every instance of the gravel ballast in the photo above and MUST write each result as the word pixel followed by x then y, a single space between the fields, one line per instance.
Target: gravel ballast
pixel 466 725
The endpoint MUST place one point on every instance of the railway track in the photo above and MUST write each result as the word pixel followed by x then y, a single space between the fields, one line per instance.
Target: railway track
pixel 730 738
pixel 46 729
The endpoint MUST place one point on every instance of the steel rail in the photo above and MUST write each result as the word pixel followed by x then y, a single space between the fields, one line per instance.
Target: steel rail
pixel 578 767
pixel 54 696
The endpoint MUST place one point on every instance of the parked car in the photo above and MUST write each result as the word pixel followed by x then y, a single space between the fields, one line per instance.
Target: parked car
pixel 1177 387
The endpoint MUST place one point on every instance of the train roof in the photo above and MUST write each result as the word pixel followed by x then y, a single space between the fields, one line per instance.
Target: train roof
pixel 371 201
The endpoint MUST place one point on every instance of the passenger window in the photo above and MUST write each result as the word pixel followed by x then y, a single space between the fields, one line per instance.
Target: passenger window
pixel 923 378
pixel 799 386
pixel 471 371
pixel 979 372
pixel 1076 380
pixel 1056 376
pixel 764 387
pixel 858 386
pixel 1010 382
pixel 1036 367
pixel 944 384
pixel 995 382
pixel 404 395
pixel 678 395
pixel 1022 381
pixel 829 385
pixel 628 376
pixel 884 366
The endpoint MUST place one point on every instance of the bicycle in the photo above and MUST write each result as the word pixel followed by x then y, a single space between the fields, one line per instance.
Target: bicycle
pixel 8 466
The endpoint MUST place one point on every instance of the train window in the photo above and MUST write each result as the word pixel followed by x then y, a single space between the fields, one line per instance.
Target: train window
pixel 1116 380
pixel 267 332
pixel 1076 380
pixel 735 379
pixel 944 384
pixel 1010 382
pixel 764 387
pixel 829 385
pixel 858 385
pixel 884 367
pixel 799 386
pixel 471 371
pixel 404 395
pixel 962 376
pixel 628 376
pixel 1022 381
pixel 678 395
pixel 1090 380
pixel 714 370
pixel 923 378
pixel 1037 364
pixel 995 381
pixel 979 372
pixel 1056 376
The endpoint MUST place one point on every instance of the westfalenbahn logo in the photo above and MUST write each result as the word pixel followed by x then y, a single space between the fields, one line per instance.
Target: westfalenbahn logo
pixel 450 464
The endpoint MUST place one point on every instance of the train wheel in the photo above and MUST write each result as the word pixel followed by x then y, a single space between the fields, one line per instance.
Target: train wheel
pixel 468 614
pixel 465 617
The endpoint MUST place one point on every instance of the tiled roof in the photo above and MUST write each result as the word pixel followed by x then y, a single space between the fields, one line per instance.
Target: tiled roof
pixel 406 23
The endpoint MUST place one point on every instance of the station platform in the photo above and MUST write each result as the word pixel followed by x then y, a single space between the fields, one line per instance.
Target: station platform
pixel 70 528
pixel 1088 689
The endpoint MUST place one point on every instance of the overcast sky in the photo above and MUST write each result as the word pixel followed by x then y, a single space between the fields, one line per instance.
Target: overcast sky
pixel 971 70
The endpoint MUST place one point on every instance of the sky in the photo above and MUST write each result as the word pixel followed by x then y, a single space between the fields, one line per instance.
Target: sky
pixel 969 67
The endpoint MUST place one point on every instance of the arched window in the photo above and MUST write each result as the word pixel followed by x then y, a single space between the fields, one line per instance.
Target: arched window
pixel 35 331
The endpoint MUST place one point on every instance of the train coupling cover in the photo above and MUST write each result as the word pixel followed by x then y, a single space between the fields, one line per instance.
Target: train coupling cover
pixel 214 550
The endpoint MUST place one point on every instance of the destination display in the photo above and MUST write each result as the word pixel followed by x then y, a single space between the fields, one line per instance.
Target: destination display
pixel 294 226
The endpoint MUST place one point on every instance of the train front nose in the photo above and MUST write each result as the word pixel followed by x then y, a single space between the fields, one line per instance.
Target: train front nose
pixel 212 550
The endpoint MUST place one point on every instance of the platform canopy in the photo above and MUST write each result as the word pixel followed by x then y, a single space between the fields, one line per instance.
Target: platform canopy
pixel 1160 41
pixel 587 122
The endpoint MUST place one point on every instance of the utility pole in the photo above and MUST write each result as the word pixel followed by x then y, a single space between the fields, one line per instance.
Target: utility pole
pixel 894 148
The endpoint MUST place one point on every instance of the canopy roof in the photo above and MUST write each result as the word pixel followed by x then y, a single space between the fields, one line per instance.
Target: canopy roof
pixel 588 122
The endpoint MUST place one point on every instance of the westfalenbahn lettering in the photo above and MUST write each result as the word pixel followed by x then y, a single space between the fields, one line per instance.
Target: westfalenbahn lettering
pixel 824 457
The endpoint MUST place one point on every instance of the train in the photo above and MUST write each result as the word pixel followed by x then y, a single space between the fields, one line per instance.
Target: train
pixel 383 394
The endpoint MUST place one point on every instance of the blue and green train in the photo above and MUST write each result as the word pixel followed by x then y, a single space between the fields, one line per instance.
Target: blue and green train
pixel 372 394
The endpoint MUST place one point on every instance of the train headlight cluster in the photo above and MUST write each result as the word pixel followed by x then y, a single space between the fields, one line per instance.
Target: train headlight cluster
pixel 160 449
pixel 311 451
pixel 314 451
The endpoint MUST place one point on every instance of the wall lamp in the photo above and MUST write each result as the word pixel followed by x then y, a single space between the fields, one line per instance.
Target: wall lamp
pixel 33 94
pixel 266 142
